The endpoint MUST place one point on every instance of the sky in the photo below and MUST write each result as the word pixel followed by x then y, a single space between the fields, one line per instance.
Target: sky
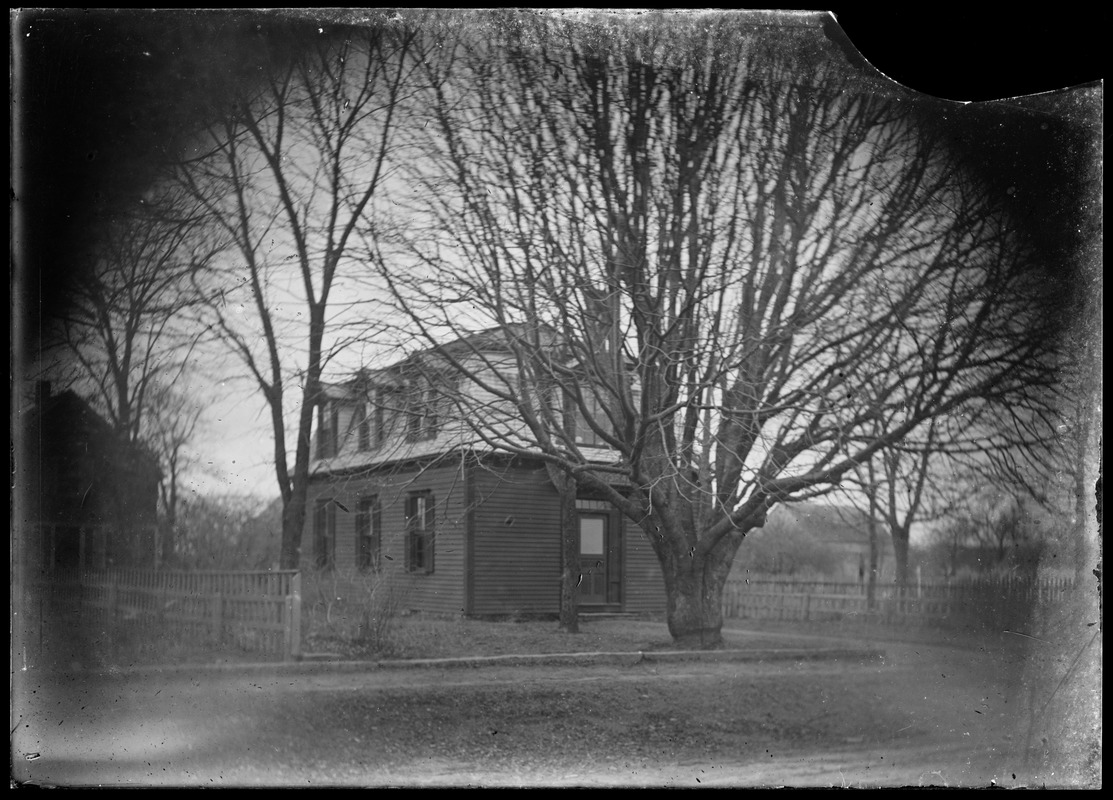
pixel 99 95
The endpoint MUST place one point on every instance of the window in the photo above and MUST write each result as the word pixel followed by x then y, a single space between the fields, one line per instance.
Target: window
pixel 370 419
pixel 324 534
pixel 368 539
pixel 420 532
pixel 326 429
pixel 387 408
pixel 584 432
pixel 421 416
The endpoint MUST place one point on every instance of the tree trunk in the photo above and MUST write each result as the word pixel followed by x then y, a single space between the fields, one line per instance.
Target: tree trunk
pixel 871 578
pixel 293 523
pixel 295 504
pixel 900 557
pixel 170 540
pixel 570 551
pixel 695 606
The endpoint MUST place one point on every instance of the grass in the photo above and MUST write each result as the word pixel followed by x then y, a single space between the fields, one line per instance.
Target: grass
pixel 971 636
pixel 421 636
pixel 343 618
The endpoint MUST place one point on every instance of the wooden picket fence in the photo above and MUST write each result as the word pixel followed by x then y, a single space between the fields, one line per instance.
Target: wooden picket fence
pixel 254 611
pixel 995 600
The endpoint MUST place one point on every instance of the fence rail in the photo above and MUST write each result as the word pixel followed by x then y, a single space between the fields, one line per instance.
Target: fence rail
pixel 995 600
pixel 256 611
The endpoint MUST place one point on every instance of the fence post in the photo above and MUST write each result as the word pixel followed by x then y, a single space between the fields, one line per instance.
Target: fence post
pixel 161 598
pixel 293 619
pixel 82 612
pixel 217 620
pixel 807 607
pixel 113 593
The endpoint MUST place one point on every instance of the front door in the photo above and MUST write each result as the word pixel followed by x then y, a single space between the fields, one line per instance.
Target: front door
pixel 593 559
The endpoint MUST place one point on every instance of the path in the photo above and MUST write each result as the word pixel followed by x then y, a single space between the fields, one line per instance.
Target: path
pixel 919 715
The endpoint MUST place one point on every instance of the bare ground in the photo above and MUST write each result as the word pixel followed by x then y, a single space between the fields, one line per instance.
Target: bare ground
pixel 921 714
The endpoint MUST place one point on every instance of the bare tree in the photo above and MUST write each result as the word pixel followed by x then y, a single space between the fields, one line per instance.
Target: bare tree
pixel 291 170
pixel 1000 479
pixel 172 422
pixel 903 485
pixel 126 335
pixel 223 532
pixel 724 275
pixel 1007 531
pixel 125 327
pixel 998 443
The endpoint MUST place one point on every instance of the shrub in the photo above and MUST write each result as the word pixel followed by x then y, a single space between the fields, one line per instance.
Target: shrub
pixel 352 607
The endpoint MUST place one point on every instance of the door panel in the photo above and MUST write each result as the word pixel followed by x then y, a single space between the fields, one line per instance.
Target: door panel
pixel 593 558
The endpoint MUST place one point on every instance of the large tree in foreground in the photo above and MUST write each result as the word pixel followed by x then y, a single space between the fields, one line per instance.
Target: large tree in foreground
pixel 739 273
pixel 290 167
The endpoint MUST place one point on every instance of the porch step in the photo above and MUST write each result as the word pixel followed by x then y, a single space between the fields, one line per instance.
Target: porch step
pixel 588 616
pixel 321 657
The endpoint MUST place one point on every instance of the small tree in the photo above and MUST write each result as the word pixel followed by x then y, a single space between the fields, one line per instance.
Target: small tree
pixel 290 169
pixel 173 422
pixel 898 488
pixel 224 533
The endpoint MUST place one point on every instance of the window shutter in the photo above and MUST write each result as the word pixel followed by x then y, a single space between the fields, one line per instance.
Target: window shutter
pixel 411 553
pixel 429 534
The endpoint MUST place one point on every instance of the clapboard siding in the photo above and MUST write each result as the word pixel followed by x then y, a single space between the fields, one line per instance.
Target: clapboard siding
pixel 515 541
pixel 645 586
pixel 514 538
pixel 441 591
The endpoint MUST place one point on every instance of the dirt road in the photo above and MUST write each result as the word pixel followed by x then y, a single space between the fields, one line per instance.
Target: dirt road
pixel 919 715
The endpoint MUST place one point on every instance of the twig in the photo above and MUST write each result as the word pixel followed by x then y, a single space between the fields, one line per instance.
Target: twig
pixel 1026 636
pixel 1069 672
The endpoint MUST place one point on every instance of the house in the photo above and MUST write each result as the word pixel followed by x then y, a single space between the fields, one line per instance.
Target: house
pixel 828 541
pixel 845 531
pixel 89 499
pixel 400 486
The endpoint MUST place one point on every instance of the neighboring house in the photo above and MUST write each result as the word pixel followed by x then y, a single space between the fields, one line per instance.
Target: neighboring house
pixel 846 531
pixel 89 498
pixel 826 541
pixel 401 487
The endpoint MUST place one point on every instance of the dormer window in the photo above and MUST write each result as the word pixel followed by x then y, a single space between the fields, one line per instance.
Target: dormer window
pixel 327 424
pixel 584 431
pixel 386 411
pixel 422 420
